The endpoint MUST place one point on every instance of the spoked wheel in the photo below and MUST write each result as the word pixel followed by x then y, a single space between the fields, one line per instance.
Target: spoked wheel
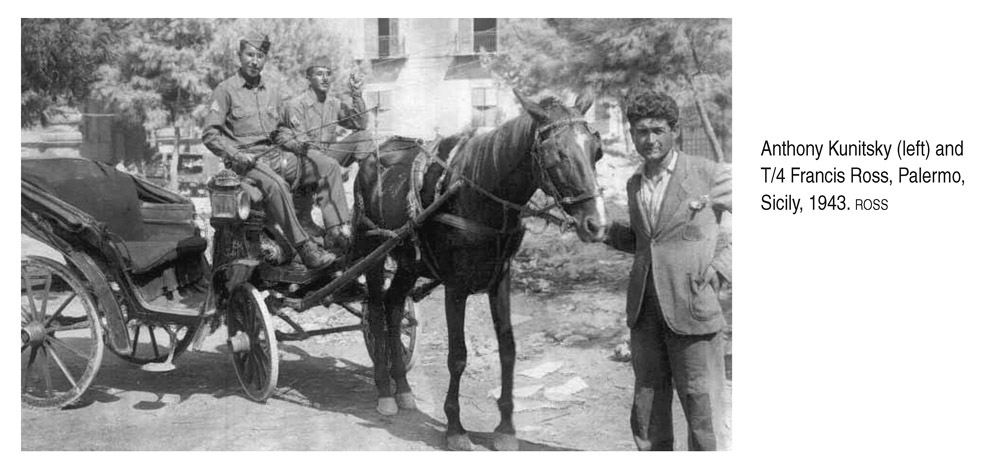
pixel 252 342
pixel 150 341
pixel 61 338
pixel 409 329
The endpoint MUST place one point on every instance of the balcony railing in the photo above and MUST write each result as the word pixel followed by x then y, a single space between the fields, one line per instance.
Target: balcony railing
pixel 485 41
pixel 476 43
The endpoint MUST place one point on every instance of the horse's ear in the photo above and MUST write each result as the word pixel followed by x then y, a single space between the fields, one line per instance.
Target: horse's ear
pixel 532 108
pixel 584 102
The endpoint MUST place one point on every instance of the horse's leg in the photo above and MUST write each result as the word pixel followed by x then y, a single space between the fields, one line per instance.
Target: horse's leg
pixel 386 404
pixel 395 299
pixel 499 303
pixel 454 311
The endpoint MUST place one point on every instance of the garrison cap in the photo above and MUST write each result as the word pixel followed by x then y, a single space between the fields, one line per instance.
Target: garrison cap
pixel 256 39
pixel 319 63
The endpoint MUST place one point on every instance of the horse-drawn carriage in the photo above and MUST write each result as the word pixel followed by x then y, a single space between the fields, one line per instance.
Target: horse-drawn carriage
pixel 134 262
pixel 132 276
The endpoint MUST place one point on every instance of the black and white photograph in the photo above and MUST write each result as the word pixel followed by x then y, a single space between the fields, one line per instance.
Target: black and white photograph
pixel 376 234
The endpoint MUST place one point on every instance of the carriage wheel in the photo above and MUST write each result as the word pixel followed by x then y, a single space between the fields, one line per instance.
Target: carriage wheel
pixel 61 337
pixel 252 342
pixel 151 343
pixel 409 330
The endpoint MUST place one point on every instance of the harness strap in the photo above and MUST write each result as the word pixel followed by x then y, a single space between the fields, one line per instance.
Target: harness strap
pixel 473 184
pixel 465 224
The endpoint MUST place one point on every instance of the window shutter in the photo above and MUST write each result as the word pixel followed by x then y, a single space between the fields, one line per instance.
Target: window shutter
pixel 372 38
pixel 465 36
pixel 395 49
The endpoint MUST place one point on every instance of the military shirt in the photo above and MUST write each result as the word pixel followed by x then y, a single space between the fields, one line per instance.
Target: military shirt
pixel 314 122
pixel 241 115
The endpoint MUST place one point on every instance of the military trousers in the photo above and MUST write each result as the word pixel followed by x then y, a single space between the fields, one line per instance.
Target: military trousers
pixel 318 177
pixel 277 201
pixel 663 360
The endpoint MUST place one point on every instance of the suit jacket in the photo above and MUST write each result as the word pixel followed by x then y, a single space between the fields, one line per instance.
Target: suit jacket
pixel 679 252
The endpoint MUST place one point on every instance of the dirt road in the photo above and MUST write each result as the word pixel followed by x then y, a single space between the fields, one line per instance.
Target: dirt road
pixel 325 399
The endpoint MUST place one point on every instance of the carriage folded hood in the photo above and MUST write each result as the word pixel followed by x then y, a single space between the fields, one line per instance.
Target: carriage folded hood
pixel 107 195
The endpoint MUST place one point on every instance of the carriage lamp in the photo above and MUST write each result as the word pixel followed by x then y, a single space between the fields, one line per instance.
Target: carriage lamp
pixel 228 199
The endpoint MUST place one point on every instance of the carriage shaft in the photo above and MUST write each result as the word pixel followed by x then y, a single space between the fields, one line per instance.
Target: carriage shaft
pixel 294 336
pixel 362 265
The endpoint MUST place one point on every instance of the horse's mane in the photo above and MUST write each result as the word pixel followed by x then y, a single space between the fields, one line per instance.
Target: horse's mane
pixel 488 157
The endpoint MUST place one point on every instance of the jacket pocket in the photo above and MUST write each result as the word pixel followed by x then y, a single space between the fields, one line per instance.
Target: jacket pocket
pixel 691 232
pixel 703 301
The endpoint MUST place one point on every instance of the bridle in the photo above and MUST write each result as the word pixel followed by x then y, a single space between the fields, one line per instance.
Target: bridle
pixel 543 177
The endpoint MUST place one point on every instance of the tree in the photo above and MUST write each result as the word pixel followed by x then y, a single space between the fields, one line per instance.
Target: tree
pixel 59 58
pixel 167 68
pixel 160 77
pixel 688 58
pixel 295 44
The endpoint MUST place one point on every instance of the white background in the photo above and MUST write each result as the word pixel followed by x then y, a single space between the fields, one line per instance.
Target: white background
pixel 857 333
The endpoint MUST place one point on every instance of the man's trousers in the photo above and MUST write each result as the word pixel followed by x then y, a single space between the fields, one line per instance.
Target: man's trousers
pixel 662 360
pixel 320 174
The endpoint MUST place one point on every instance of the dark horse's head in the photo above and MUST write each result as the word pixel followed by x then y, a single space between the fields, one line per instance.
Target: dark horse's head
pixel 564 153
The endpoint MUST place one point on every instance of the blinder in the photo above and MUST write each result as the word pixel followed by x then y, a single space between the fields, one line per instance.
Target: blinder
pixel 542 163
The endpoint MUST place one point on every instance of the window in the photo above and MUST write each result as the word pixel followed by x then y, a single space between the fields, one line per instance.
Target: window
pixel 476 35
pixel 381 98
pixel 389 37
pixel 382 38
pixel 485 110
pixel 485 35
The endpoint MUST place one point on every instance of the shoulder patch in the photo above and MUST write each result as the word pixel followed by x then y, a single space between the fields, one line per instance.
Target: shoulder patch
pixel 215 106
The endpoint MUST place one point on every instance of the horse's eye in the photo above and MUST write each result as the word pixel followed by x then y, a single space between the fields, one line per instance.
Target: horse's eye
pixel 551 158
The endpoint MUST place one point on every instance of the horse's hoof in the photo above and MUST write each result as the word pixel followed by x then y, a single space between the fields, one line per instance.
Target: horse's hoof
pixel 387 406
pixel 460 442
pixel 505 442
pixel 406 400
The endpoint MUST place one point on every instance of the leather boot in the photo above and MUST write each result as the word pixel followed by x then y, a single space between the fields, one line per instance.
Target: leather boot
pixel 313 256
pixel 338 237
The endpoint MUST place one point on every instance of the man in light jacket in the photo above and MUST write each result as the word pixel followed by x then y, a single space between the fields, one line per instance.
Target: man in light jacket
pixel 675 319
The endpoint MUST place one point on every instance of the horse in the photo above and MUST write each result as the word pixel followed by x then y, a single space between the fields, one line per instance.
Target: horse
pixel 469 242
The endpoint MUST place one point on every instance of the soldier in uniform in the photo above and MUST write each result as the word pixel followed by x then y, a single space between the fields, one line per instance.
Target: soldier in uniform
pixel 312 119
pixel 244 111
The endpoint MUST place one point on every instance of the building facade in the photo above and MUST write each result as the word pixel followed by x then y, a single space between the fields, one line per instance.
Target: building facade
pixel 427 74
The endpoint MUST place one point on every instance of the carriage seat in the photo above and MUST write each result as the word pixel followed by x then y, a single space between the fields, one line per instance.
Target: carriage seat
pixel 151 235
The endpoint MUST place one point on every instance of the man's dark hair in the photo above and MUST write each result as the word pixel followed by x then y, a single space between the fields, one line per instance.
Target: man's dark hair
pixel 650 104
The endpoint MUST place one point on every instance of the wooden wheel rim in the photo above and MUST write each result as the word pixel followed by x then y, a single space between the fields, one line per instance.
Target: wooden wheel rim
pixel 55 371
pixel 258 367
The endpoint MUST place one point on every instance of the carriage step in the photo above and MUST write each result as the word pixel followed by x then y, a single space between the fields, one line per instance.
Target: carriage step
pixel 166 366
